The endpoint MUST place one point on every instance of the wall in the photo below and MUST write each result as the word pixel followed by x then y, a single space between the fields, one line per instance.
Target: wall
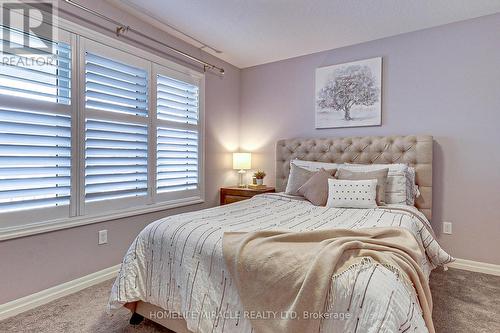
pixel 442 81
pixel 34 263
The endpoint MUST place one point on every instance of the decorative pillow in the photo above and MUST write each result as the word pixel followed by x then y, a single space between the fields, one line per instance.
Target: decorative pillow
pixel 316 188
pixel 297 177
pixel 412 190
pixel 379 175
pixel 315 166
pixel 352 193
pixel 400 185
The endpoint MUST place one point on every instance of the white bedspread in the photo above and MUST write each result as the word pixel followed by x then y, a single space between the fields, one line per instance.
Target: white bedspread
pixel 177 263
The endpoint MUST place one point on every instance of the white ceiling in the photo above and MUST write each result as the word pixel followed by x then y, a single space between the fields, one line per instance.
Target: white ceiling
pixel 253 32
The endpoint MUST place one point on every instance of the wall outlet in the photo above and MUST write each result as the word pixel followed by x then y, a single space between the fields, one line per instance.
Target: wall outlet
pixel 447 228
pixel 103 237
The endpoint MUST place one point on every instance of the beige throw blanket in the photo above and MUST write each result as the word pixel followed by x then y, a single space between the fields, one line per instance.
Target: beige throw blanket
pixel 280 273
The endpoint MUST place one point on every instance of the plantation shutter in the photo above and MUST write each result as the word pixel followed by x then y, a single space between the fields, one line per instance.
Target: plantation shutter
pixel 44 77
pixel 116 129
pixel 35 129
pixel 177 160
pixel 116 160
pixel 35 159
pixel 177 135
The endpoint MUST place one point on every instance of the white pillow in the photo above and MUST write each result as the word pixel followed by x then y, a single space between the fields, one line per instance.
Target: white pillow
pixel 315 166
pixel 400 186
pixel 352 193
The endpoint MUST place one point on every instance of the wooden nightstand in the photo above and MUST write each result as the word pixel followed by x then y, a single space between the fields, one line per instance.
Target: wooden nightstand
pixel 233 194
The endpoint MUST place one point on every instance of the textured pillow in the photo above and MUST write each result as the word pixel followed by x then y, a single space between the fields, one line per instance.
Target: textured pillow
pixel 298 176
pixel 379 175
pixel 352 193
pixel 400 184
pixel 412 190
pixel 316 188
pixel 314 165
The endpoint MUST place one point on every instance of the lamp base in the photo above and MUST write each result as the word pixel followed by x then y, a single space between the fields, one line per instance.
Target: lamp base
pixel 240 183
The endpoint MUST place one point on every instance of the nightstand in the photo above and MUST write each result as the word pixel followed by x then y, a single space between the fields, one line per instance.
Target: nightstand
pixel 233 194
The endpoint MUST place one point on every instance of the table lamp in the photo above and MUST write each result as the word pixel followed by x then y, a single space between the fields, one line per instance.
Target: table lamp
pixel 242 162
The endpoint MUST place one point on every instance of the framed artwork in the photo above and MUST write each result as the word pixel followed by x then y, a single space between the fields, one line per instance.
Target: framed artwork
pixel 349 94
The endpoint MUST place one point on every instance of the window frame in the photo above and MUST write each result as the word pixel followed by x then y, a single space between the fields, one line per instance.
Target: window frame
pixel 78 36
pixel 91 46
pixel 34 215
pixel 155 122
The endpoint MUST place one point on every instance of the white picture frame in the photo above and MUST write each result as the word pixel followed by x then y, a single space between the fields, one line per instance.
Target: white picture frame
pixel 349 94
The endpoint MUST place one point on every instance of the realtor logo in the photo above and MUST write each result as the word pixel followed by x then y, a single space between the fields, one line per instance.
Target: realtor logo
pixel 27 27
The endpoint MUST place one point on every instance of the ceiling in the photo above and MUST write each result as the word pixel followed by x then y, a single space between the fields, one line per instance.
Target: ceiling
pixel 252 32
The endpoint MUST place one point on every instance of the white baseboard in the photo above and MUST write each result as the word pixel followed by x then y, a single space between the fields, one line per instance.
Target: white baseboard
pixel 29 302
pixel 476 266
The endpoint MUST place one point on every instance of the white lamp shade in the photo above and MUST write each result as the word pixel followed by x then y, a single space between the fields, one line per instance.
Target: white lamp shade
pixel 242 161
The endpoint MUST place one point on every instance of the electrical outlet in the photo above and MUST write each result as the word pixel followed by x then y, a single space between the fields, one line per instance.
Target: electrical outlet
pixel 103 237
pixel 447 228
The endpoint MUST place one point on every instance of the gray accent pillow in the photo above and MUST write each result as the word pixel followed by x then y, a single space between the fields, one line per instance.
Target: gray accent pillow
pixel 316 188
pixel 379 175
pixel 297 177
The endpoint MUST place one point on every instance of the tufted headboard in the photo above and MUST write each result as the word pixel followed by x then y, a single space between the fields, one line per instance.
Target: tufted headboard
pixel 416 151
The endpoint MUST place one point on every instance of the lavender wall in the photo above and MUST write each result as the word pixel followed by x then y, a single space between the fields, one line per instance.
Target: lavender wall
pixel 443 81
pixel 34 263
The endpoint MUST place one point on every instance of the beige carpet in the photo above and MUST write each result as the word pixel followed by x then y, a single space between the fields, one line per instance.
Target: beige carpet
pixel 464 302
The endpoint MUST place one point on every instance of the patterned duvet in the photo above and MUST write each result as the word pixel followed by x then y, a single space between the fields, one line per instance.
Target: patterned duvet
pixel 177 264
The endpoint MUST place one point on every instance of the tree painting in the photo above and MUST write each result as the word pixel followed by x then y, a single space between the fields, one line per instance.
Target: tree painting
pixel 347 87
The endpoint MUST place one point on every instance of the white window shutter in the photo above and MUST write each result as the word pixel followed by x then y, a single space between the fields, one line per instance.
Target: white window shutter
pixel 44 77
pixel 35 159
pixel 177 141
pixel 116 160
pixel 177 101
pixel 35 128
pixel 116 131
pixel 177 160
pixel 115 87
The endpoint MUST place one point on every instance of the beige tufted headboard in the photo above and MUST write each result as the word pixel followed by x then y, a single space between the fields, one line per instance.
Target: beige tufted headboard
pixel 415 151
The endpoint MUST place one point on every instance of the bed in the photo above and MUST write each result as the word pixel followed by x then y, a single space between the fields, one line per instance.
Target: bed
pixel 174 272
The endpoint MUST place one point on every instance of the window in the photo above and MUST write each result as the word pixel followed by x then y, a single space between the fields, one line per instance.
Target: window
pixel 116 128
pixel 98 129
pixel 35 130
pixel 44 77
pixel 177 134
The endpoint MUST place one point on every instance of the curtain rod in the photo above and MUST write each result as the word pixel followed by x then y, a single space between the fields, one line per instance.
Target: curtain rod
pixel 122 28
